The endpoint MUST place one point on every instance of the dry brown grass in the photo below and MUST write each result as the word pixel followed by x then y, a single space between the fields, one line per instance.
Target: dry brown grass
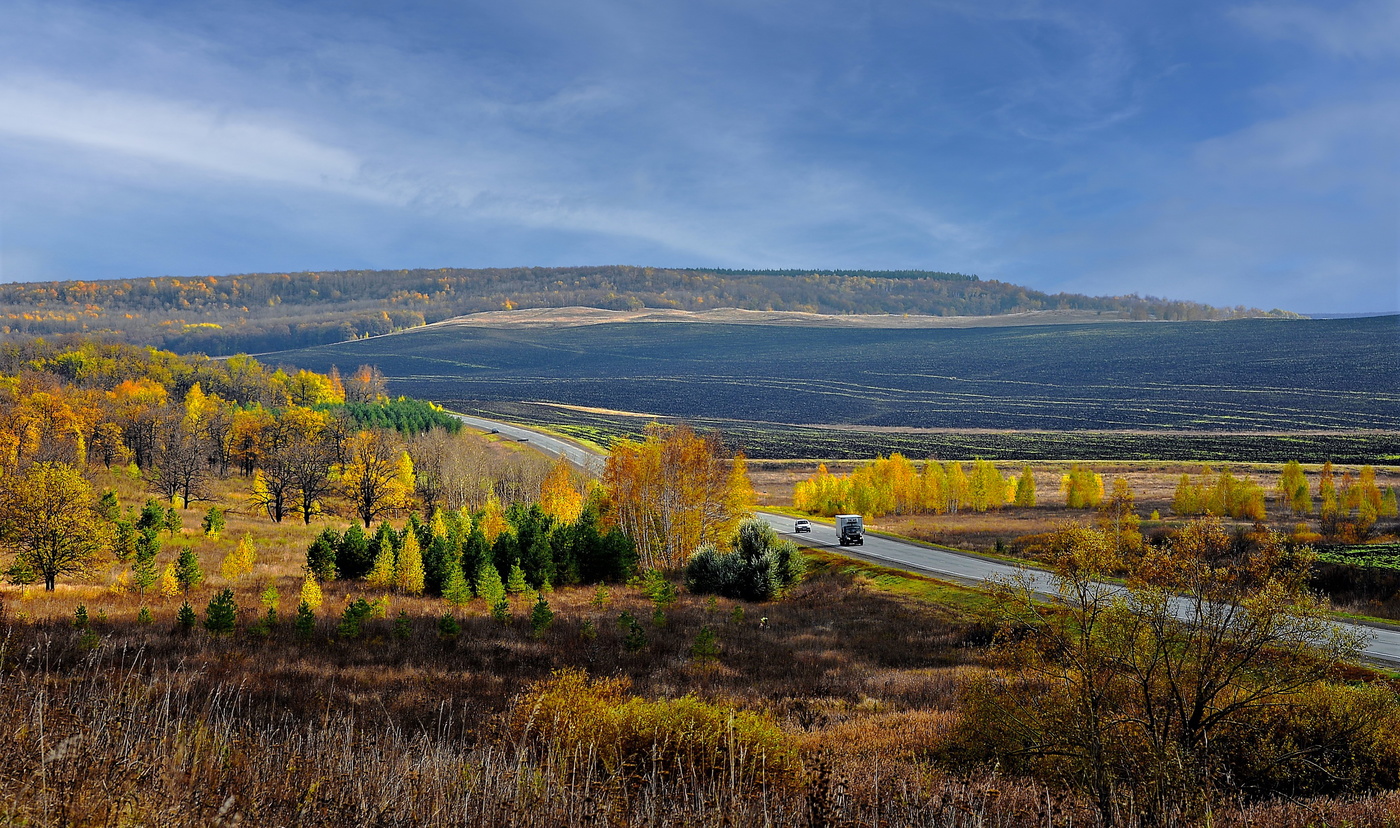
pixel 126 724
pixel 138 724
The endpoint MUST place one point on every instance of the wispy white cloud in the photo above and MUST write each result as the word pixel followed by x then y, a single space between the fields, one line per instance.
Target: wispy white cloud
pixel 235 145
pixel 1363 28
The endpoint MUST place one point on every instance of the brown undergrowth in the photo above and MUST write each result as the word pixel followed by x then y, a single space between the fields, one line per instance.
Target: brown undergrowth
pixel 824 709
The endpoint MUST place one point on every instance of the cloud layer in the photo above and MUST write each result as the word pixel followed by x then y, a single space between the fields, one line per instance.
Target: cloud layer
pixel 1235 155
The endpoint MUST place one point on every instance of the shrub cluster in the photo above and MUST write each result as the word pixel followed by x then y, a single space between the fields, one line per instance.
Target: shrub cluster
pixel 571 715
pixel 759 566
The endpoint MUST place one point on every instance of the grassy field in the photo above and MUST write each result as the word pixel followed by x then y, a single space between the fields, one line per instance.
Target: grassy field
pixel 1249 389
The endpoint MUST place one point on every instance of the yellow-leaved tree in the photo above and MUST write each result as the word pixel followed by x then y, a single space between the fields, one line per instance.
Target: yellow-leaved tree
pixel 559 497
pixel 49 519
pixel 492 521
pixel 408 574
pixel 240 560
pixel 377 478
pixel 311 592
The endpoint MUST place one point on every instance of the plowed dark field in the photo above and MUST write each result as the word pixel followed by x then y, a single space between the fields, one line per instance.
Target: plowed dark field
pixel 1281 379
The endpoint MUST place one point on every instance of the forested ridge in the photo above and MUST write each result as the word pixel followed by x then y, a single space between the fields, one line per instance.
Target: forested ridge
pixel 273 311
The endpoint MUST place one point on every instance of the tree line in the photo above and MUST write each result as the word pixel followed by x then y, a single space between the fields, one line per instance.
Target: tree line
pixel 1348 505
pixel 276 311
pixel 309 445
pixel 896 485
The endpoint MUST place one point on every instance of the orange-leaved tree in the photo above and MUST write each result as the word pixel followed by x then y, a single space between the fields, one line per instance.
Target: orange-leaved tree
pixel 673 491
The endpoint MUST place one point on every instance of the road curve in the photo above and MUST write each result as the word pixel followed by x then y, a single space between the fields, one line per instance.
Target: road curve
pixel 547 443
pixel 1383 643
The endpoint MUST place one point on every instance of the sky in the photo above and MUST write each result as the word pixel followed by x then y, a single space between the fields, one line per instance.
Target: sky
pixel 1235 153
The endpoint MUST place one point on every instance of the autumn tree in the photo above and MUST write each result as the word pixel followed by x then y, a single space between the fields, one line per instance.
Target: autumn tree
pixel 559 497
pixel 823 493
pixel 307 463
pixel 308 389
pixel 295 463
pixel 382 573
pixel 986 488
pixel 408 572
pixel 955 487
pixel 365 385
pixel 1025 488
pixel 136 406
pixel 247 428
pixel 378 475
pixel 240 560
pixel 672 492
pixel 108 447
pixel 432 453
pixel 53 425
pixel 49 520
pixel 1083 487
pixel 1327 491
pixel 1129 692
pixel 1292 488
pixel 1119 519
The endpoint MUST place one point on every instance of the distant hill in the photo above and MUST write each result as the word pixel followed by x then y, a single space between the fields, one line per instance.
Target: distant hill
pixel 275 311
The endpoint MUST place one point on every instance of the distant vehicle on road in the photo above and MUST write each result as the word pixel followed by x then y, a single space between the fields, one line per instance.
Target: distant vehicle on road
pixel 850 530
pixel 801 525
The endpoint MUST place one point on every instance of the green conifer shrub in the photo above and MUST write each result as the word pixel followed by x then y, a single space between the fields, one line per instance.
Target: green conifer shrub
pixel 221 614
pixel 541 617
pixel 305 623
pixel 705 648
pixel 214 522
pixel 321 555
pixel 403 626
pixel 353 619
pixel 188 572
pixel 185 618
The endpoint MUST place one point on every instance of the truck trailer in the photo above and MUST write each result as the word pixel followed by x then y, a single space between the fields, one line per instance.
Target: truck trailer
pixel 850 530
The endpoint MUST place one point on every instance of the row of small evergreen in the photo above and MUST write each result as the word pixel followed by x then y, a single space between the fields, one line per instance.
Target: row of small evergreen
pixel 460 555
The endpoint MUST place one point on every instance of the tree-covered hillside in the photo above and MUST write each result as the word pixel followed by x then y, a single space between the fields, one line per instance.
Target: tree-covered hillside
pixel 274 311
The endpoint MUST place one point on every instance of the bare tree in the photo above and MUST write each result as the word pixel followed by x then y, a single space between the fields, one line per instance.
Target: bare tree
pixel 179 460
pixel 1126 687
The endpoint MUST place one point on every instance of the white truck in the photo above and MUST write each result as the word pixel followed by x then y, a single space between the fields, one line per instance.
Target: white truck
pixel 850 530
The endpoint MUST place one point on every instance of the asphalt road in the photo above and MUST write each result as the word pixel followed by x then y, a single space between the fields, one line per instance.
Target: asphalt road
pixel 962 567
pixel 573 452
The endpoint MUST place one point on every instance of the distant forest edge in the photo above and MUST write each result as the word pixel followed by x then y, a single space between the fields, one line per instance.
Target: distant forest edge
pixel 254 313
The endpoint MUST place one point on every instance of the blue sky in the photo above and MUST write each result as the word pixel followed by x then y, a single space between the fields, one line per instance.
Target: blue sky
pixel 1231 153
